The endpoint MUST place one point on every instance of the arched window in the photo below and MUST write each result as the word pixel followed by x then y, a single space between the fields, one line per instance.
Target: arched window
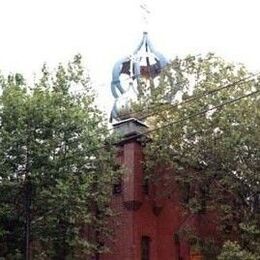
pixel 145 248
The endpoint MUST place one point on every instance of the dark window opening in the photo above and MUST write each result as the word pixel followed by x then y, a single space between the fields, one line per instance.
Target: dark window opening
pixel 145 248
pixel 117 188
pixel 177 246
pixel 146 186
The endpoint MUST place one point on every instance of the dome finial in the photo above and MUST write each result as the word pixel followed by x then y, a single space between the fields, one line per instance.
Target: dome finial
pixel 145 14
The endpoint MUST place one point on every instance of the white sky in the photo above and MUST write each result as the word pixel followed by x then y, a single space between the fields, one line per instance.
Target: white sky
pixel 36 31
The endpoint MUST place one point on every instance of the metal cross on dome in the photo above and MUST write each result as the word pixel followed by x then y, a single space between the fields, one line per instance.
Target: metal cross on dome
pixel 145 13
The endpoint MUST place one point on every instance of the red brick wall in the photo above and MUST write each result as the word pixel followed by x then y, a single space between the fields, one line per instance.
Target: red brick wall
pixel 156 218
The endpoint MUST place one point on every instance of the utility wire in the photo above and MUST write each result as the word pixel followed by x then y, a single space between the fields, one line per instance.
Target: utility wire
pixel 191 99
pixel 178 83
pixel 202 112
pixel 204 94
pixel 192 115
pixel 186 101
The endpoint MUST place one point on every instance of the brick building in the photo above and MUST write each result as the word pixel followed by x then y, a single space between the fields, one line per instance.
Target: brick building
pixel 147 225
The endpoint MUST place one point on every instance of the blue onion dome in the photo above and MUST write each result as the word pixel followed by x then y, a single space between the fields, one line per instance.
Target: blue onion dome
pixel 146 63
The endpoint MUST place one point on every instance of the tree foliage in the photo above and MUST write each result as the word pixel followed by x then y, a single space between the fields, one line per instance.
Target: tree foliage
pixel 233 251
pixel 55 181
pixel 215 154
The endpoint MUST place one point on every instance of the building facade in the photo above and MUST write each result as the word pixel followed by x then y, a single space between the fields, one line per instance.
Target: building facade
pixel 149 223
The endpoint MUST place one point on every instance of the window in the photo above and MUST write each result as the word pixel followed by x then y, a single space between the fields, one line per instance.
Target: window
pixel 117 188
pixel 177 246
pixel 146 186
pixel 145 248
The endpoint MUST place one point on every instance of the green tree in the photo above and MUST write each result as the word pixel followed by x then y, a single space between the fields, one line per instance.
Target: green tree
pixel 233 251
pixel 221 145
pixel 55 181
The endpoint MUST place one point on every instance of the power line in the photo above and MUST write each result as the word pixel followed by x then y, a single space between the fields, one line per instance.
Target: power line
pixel 178 121
pixel 192 98
pixel 193 115
pixel 204 94
pixel 178 83
pixel 183 81
pixel 186 101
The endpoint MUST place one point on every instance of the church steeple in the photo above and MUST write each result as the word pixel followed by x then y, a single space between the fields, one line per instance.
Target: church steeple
pixel 145 62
